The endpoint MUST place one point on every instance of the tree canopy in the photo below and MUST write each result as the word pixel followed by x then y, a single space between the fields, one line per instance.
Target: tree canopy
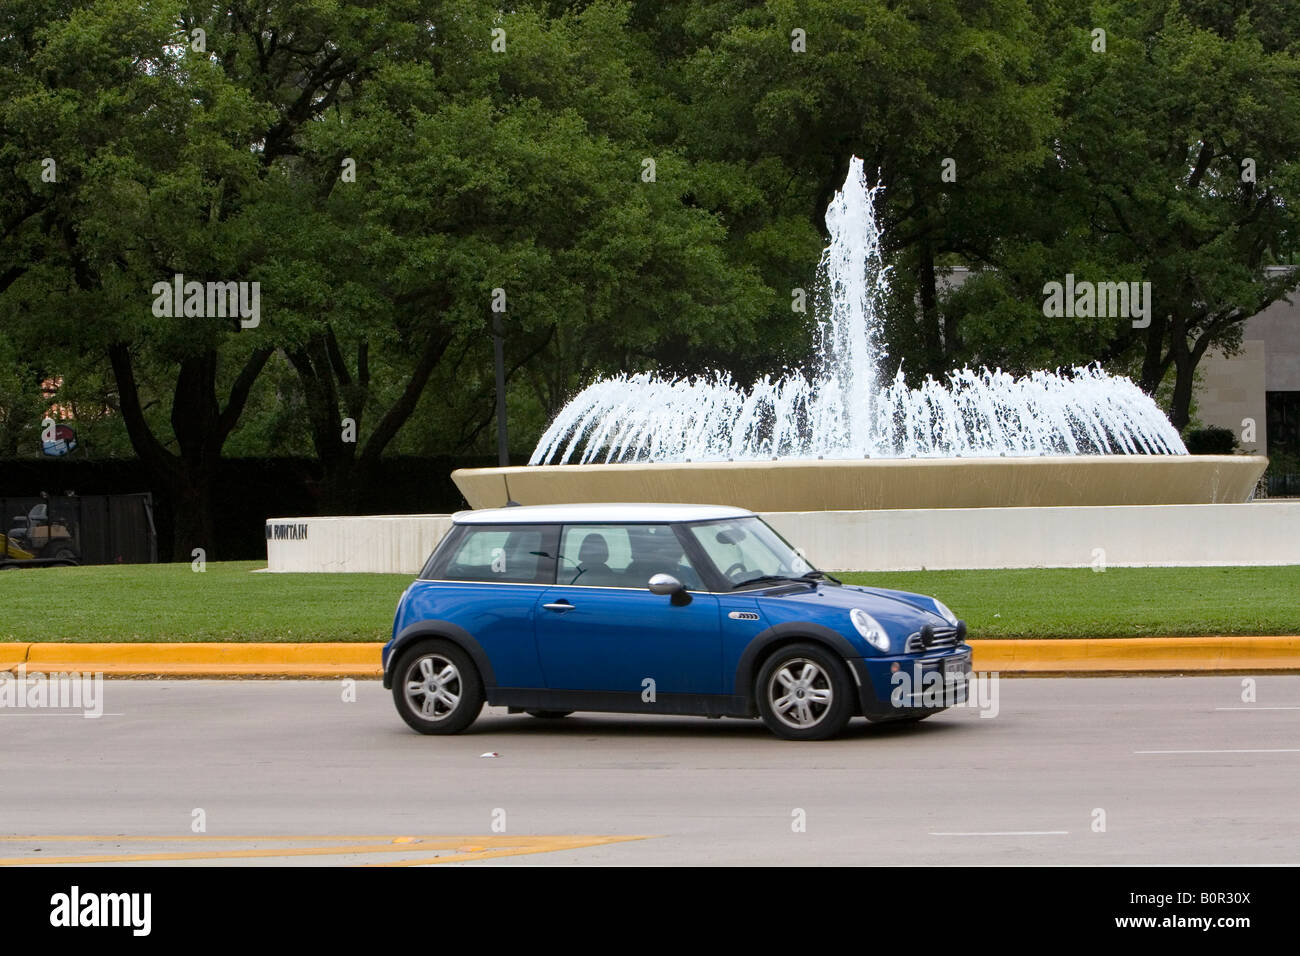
pixel 626 185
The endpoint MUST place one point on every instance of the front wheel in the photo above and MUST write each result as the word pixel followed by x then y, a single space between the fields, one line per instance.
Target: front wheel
pixel 803 693
pixel 437 688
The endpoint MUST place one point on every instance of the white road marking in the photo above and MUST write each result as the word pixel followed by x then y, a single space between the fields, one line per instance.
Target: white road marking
pixel 1003 833
pixel 1289 750
pixel 1257 708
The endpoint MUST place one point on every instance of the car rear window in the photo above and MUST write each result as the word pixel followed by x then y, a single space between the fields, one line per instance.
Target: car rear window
pixel 498 554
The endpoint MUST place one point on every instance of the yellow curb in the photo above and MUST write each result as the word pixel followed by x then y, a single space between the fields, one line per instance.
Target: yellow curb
pixel 11 655
pixel 1137 654
pixel 334 659
pixel 268 659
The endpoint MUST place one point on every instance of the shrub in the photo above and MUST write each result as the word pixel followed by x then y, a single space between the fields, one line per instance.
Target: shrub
pixel 1211 441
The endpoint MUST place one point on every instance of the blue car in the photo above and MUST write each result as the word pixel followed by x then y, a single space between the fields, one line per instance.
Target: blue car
pixel 659 609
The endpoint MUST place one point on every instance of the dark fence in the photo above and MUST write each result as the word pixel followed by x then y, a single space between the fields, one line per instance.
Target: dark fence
pixel 246 491
pixel 90 529
pixel 1284 486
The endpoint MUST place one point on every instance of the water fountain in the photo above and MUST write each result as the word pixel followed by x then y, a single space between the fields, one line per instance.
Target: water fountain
pixel 842 436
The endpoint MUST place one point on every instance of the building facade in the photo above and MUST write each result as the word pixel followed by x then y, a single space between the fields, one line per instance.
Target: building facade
pixel 1256 392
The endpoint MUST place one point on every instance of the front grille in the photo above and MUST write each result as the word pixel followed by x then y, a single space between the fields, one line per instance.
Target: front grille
pixel 943 637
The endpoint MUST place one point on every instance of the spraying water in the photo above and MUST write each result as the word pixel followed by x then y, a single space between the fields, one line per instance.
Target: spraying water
pixel 842 407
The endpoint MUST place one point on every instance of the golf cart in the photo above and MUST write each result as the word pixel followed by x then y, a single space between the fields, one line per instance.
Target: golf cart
pixel 39 538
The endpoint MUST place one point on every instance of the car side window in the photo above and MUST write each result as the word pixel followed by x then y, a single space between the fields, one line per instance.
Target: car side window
pixel 594 556
pixel 623 556
pixel 500 555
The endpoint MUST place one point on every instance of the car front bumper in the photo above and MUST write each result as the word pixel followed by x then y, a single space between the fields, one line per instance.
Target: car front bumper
pixel 907 684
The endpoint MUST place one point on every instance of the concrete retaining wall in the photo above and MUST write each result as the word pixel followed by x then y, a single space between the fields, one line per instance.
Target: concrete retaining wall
pixel 1258 533
pixel 376 543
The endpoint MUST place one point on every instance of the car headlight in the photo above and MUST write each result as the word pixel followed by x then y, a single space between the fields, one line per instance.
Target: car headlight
pixel 870 628
pixel 946 614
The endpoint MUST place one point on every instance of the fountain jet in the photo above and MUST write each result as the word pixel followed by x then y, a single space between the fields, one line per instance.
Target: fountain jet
pixel 842 408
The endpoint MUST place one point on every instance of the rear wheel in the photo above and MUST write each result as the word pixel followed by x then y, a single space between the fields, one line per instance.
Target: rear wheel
pixel 804 693
pixel 437 688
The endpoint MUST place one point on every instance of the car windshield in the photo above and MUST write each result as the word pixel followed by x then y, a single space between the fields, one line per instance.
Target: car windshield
pixel 746 551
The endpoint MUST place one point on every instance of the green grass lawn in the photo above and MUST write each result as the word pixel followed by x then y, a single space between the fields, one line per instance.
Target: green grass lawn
pixel 1117 602
pixel 170 602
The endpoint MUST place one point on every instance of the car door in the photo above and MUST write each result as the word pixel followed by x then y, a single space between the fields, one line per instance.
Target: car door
pixel 485 580
pixel 600 628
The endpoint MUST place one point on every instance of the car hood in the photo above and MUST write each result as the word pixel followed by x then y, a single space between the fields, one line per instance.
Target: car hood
pixel 900 612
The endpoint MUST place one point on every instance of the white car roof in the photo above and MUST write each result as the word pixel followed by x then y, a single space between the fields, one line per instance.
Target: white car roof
pixel 601 512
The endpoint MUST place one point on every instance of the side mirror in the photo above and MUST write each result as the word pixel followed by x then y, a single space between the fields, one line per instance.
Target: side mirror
pixel 667 584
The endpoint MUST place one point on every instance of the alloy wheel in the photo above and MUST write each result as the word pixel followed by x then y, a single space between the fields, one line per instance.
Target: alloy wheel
pixel 433 687
pixel 801 693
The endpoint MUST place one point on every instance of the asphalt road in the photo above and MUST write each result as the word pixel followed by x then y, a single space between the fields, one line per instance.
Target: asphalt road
pixel 290 771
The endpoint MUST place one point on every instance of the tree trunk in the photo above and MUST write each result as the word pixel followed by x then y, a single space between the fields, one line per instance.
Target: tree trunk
pixel 1184 360
pixel 1153 361
pixel 1184 382
pixel 347 470
pixel 200 426
pixel 927 286
pixel 193 524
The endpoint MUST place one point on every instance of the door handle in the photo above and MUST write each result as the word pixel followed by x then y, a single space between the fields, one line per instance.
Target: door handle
pixel 560 606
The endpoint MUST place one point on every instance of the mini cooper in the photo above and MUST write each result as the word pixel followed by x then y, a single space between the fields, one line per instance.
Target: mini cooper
pixel 659 609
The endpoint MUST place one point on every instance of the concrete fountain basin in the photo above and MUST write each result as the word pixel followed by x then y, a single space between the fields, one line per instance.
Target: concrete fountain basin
pixel 879 483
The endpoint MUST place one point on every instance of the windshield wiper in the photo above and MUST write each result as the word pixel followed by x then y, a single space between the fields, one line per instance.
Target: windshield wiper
pixel 822 574
pixel 764 578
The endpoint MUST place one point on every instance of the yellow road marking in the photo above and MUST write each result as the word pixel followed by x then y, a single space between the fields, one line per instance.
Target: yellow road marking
pixel 483 847
pixel 573 843
pixel 214 837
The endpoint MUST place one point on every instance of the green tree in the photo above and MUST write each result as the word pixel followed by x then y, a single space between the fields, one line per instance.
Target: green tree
pixel 171 147
pixel 518 180
pixel 948 101
pixel 1179 145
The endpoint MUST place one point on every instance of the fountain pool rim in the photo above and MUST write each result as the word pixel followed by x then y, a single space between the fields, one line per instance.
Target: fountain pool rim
pixel 871 484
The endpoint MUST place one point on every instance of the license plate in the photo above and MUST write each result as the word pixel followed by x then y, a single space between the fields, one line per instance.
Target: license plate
pixel 955 670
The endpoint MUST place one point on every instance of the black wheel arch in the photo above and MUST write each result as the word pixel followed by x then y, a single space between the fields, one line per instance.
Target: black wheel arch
pixel 768 641
pixel 440 630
